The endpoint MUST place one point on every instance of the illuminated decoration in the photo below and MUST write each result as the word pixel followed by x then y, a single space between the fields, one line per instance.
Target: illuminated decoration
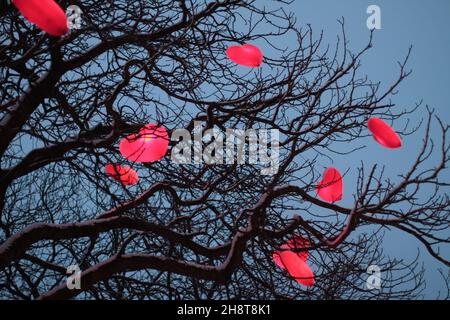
pixel 295 263
pixel 384 134
pixel 46 14
pixel 299 242
pixel 149 145
pixel 330 189
pixel 123 174
pixel 246 55
pixel 297 268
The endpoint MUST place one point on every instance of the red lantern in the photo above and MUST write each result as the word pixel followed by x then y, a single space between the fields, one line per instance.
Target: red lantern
pixel 297 268
pixel 247 55
pixel 331 187
pixel 383 133
pixel 46 14
pixel 149 145
pixel 295 263
pixel 297 243
pixel 122 174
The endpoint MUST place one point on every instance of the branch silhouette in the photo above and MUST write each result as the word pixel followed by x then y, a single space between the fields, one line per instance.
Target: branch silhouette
pixel 200 231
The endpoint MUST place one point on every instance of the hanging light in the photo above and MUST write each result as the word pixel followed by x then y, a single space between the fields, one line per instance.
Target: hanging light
pixel 246 55
pixel 149 145
pixel 330 189
pixel 123 174
pixel 297 268
pixel 295 263
pixel 46 14
pixel 383 133
pixel 296 243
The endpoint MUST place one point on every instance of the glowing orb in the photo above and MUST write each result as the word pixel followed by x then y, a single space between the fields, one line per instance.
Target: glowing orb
pixel 297 243
pixel 384 134
pixel 297 268
pixel 123 174
pixel 295 263
pixel 330 189
pixel 149 145
pixel 46 14
pixel 247 55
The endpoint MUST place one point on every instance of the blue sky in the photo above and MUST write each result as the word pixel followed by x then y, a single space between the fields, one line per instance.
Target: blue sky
pixel 425 26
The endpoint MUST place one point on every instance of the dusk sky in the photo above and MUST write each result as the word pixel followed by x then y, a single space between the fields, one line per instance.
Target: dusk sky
pixel 425 26
pixel 78 114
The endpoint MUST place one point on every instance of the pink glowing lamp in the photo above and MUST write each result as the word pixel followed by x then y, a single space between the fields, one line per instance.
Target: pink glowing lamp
pixel 383 133
pixel 45 14
pixel 246 55
pixel 123 174
pixel 149 145
pixel 330 189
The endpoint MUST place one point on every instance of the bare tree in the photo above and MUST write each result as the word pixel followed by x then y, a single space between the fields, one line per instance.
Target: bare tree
pixel 197 231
